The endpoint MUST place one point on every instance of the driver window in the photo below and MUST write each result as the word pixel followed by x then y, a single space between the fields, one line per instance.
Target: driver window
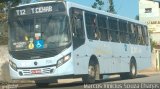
pixel 77 27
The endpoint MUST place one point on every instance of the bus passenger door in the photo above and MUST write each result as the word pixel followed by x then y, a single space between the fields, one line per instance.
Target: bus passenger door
pixel 77 28
pixel 78 37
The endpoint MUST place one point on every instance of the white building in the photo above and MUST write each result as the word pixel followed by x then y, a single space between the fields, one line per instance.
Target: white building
pixel 149 12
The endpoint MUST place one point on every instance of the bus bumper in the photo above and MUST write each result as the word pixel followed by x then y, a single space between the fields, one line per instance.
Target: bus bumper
pixel 64 70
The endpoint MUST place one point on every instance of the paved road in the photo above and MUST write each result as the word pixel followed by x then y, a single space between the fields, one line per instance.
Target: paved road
pixel 114 82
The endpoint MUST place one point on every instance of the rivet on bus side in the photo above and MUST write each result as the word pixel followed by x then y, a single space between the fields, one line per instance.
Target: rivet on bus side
pixel 78 63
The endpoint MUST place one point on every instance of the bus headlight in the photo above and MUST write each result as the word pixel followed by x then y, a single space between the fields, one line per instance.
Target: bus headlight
pixel 63 60
pixel 13 65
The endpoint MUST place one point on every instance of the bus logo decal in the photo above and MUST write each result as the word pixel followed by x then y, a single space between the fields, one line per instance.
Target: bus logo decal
pixel 35 63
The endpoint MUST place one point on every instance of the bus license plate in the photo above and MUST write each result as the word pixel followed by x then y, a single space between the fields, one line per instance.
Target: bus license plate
pixel 36 71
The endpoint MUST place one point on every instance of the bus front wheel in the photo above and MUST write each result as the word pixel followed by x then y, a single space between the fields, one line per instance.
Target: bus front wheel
pixel 92 73
pixel 40 84
pixel 45 82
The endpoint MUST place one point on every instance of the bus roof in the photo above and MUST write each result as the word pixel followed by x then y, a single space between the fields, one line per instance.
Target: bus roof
pixel 72 4
pixel 35 3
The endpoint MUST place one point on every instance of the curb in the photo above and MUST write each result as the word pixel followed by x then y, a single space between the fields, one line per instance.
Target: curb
pixel 150 72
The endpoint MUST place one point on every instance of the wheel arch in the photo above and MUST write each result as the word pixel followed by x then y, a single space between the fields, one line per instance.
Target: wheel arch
pixel 133 59
pixel 94 59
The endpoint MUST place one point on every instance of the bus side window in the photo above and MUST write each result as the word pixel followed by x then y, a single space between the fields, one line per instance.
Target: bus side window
pixel 102 26
pixel 91 27
pixel 146 36
pixel 140 41
pixel 141 35
pixel 131 33
pixel 77 27
pixel 113 29
pixel 123 31
pixel 136 33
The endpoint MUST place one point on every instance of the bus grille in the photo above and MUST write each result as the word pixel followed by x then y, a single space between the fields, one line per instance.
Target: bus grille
pixel 30 54
pixel 27 72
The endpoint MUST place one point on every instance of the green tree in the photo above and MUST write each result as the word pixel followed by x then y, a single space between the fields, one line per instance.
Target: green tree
pixel 111 7
pixel 137 17
pixel 11 2
pixel 4 5
pixel 153 43
pixel 98 4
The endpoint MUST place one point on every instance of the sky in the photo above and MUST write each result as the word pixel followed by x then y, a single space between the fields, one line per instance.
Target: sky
pixel 127 8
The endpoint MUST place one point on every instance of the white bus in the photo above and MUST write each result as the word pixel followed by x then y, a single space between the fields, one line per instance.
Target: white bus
pixel 58 39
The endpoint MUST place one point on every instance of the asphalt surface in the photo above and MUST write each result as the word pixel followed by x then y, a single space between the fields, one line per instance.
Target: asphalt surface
pixel 143 81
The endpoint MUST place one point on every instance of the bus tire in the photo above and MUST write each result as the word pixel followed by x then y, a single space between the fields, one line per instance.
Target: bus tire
pixel 45 82
pixel 133 71
pixel 38 84
pixel 92 73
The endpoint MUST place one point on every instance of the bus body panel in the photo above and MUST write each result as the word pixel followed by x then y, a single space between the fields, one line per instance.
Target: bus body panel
pixel 116 56
pixel 108 62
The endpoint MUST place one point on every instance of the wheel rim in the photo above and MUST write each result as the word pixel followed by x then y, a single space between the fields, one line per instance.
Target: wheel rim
pixel 133 69
pixel 91 71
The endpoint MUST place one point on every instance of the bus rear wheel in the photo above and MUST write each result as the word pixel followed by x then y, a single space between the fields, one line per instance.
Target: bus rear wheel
pixel 92 73
pixel 133 71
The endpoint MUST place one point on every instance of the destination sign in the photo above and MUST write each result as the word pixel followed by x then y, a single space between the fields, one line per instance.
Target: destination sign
pixel 36 10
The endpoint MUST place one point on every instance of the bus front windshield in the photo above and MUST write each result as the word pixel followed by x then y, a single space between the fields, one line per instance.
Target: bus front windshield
pixel 47 32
